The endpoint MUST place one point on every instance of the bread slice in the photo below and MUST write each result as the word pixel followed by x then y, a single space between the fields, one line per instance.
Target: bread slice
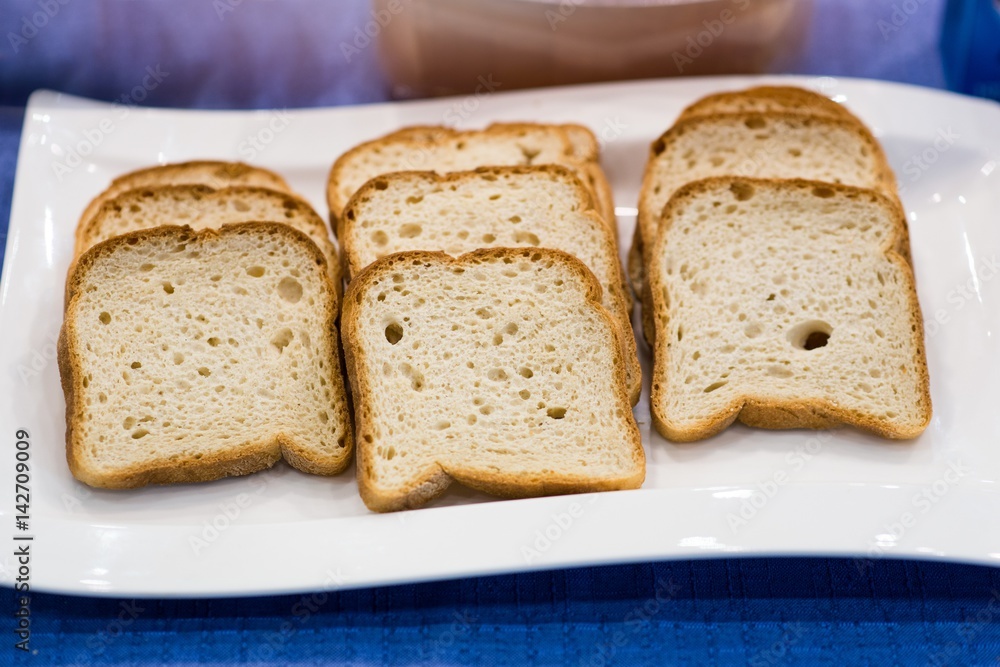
pixel 785 304
pixel 498 369
pixel 190 355
pixel 770 99
pixel 492 207
pixel 777 145
pixel 213 173
pixel 444 150
pixel 200 207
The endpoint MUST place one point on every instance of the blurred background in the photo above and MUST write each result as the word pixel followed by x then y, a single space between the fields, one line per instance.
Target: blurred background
pixel 302 53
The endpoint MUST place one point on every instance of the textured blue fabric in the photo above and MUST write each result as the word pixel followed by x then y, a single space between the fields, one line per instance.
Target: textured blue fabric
pixel 761 612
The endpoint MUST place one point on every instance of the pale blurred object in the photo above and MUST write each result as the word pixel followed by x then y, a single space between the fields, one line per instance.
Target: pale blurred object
pixel 442 47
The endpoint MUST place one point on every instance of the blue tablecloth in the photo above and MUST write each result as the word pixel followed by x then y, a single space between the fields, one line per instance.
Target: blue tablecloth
pixel 760 612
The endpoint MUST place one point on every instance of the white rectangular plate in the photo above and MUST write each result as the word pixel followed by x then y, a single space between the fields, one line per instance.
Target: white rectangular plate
pixel 745 492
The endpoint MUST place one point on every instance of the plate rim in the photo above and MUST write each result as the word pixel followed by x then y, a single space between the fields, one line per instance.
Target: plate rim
pixel 978 497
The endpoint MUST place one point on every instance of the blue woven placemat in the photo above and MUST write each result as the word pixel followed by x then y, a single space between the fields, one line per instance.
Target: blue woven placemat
pixel 758 612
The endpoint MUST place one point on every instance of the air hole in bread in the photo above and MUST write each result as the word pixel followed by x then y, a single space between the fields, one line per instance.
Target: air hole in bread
pixel 290 290
pixel 105 318
pixel 168 287
pixel 381 185
pixel 255 271
pixel 810 335
pixel 281 339
pixel 556 413
pixel 204 372
pixel 410 231
pixel 742 191
pixel 139 433
pixel 715 385
pixel 394 333
pixel 489 238
pixel 497 374
pixel 755 123
pixel 753 330
pixel 147 267
pixel 527 237
pixel 823 193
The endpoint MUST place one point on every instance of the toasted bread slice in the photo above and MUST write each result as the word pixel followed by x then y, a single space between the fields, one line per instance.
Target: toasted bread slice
pixel 213 173
pixel 769 99
pixel 443 150
pixel 465 369
pixel 785 304
pixel 201 207
pixel 492 207
pixel 189 355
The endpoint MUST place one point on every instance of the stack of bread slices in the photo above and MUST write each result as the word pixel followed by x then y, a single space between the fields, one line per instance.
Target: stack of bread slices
pixel 772 256
pixel 486 325
pixel 486 319
pixel 199 338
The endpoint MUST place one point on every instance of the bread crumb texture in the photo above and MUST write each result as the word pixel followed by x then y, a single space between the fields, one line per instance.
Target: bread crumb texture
pixel 187 350
pixel 499 369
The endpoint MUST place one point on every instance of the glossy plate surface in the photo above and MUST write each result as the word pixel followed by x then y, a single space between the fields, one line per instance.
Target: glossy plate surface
pixel 744 492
